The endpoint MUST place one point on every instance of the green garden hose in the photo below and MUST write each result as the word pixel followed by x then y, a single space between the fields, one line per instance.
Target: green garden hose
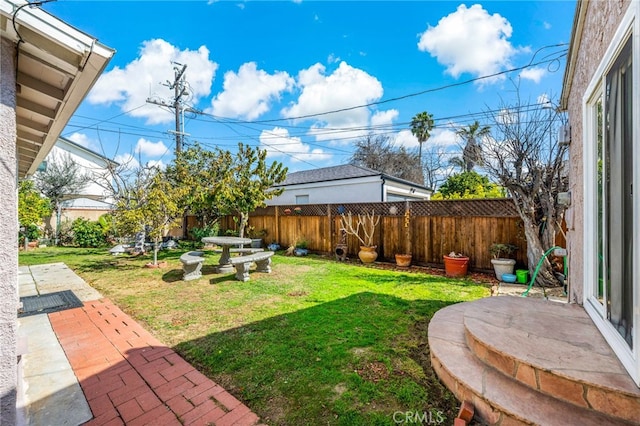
pixel 535 273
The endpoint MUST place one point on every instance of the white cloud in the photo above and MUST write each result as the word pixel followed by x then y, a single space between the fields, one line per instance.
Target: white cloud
pixel 443 137
pixel 546 25
pixel 343 89
pixel 248 93
pixel 84 140
pixel 150 149
pixel 543 99
pixel 470 40
pixel 405 138
pixel 534 74
pixel 506 116
pixel 142 78
pixel 332 58
pixel 156 163
pixel 128 161
pixel 381 121
pixel 278 143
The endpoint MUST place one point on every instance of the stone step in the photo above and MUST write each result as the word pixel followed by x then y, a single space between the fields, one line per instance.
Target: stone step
pixel 499 399
pixel 567 358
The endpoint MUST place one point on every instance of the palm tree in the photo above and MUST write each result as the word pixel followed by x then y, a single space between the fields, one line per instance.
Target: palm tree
pixel 471 155
pixel 421 126
pixel 458 163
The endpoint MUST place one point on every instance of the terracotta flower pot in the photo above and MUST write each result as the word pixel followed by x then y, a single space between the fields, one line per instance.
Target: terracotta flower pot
pixel 403 259
pixel 455 267
pixel 368 254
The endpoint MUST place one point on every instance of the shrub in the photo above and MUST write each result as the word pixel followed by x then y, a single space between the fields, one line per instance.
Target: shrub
pixel 197 234
pixel 87 233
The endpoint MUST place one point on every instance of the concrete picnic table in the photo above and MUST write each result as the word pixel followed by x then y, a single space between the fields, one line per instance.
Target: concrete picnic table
pixel 226 243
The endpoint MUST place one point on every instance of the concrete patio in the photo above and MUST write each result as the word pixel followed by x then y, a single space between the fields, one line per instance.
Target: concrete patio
pixel 95 365
pixel 530 361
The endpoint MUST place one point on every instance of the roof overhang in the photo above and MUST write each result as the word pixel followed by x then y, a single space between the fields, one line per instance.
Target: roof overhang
pixel 576 35
pixel 57 65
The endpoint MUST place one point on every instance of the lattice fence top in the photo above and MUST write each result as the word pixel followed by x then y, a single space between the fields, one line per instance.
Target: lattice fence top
pixel 504 207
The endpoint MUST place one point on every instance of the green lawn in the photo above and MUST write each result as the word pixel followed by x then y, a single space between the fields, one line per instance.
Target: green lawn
pixel 315 342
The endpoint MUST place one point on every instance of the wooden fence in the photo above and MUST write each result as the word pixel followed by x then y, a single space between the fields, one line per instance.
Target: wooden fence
pixel 435 228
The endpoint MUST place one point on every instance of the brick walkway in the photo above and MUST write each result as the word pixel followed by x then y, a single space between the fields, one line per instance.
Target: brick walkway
pixel 129 377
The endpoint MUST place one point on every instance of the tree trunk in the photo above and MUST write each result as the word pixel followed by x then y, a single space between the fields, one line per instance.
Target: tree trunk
pixel 244 220
pixel 535 251
pixel 156 246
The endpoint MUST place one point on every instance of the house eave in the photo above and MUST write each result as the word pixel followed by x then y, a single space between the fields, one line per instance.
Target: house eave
pixel 576 35
pixel 57 65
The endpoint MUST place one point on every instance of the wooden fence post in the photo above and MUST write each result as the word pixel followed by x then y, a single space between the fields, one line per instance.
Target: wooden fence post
pixel 331 233
pixel 277 225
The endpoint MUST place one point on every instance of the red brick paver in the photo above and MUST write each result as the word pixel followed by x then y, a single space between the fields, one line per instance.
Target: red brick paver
pixel 129 377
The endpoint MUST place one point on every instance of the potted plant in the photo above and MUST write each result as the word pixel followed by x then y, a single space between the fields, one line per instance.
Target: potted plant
pixel 455 264
pixel 404 259
pixel 501 263
pixel 367 222
pixel 256 236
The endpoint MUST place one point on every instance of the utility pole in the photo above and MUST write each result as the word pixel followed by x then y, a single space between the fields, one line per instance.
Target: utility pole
pixel 179 90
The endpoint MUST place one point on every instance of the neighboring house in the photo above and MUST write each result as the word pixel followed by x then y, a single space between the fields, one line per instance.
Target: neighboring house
pixel 346 184
pixel 47 68
pixel 602 96
pixel 93 201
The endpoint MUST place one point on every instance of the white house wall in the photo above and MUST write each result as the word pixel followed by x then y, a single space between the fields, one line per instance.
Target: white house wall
pixel 393 190
pixel 359 190
pixel 89 163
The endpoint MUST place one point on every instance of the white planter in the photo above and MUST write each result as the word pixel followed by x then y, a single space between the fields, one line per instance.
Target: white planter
pixel 503 266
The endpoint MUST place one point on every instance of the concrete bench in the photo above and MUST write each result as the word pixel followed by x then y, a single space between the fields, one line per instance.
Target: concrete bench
pixel 192 264
pixel 242 264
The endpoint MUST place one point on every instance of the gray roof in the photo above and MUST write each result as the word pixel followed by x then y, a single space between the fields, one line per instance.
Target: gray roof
pixel 346 171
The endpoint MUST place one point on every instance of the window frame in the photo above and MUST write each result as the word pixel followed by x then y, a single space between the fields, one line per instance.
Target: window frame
pixel 629 28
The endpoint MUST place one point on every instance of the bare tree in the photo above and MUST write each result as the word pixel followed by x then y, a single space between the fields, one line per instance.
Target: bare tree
pixel 525 157
pixel 379 152
pixel 62 179
pixel 435 168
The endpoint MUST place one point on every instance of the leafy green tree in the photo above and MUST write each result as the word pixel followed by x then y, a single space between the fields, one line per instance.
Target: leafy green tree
pixel 32 207
pixel 421 126
pixel 204 174
pixel 468 185
pixel 152 203
pixel 250 182
pixel 472 152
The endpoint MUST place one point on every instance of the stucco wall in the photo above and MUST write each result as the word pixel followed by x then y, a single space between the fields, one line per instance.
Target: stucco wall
pixel 601 21
pixel 8 236
pixel 362 190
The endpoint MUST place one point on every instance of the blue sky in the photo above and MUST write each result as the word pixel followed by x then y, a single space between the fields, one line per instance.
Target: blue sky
pixel 266 73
